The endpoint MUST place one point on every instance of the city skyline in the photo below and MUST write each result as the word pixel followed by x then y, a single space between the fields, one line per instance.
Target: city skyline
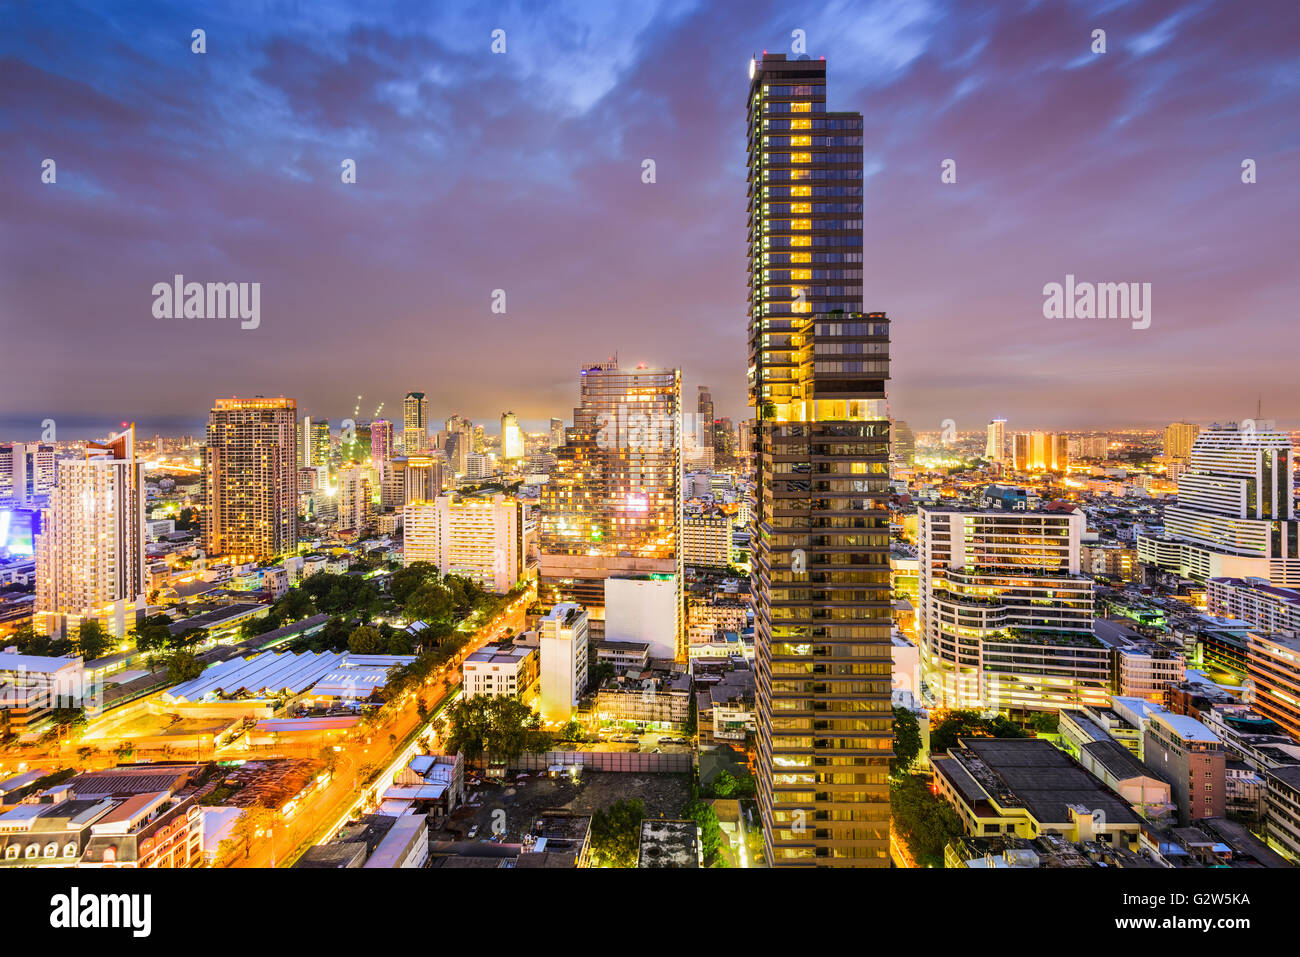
pixel 541 150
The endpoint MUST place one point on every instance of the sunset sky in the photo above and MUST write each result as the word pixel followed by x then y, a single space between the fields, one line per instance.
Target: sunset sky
pixel 521 171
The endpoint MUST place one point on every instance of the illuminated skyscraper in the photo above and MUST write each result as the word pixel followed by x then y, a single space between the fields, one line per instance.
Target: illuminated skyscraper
pixel 90 553
pixel 820 544
pixel 613 505
pixel 381 445
pixel 1179 437
pixel 995 448
pixel 557 433
pixel 250 480
pixel 704 417
pixel 314 442
pixel 356 508
pixel 415 423
pixel 1041 452
pixel 512 438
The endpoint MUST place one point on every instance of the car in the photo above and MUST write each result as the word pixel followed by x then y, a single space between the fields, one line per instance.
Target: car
pixel 473 832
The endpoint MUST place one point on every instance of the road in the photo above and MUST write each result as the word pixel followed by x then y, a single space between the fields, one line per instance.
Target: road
pixel 324 812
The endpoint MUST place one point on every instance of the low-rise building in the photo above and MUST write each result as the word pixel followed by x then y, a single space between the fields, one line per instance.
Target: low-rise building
pixel 498 671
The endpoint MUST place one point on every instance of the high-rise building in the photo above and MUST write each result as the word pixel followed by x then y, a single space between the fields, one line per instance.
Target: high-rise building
pixel 412 478
pixel 902 442
pixel 820 541
pixel 480 537
pixel 1235 516
pixel 1004 614
pixel 250 479
pixel 415 423
pixel 90 551
pixel 27 472
pixel 612 506
pixel 1179 438
pixel 563 643
pixel 995 446
pixel 512 438
pixel 557 433
pixel 314 442
pixel 704 418
pixel 356 504
pixel 1041 452
pixel 381 445
pixel 707 541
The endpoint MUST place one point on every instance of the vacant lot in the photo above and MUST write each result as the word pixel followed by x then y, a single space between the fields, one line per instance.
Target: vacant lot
pixel 514 807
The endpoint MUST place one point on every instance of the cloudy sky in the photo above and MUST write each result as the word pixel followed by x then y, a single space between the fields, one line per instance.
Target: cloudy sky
pixel 521 171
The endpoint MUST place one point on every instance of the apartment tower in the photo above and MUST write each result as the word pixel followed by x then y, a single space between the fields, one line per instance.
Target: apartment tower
pixel 820 538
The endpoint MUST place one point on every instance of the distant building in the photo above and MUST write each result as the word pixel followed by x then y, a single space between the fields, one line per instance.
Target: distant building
pixel 1191 758
pixel 563 660
pixel 479 537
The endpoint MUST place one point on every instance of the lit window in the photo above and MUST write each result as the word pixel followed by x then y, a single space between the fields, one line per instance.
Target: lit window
pixel 800 107
pixel 801 141
pixel 801 157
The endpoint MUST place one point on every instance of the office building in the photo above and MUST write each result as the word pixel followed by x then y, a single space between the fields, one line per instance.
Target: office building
pixel 1191 757
pixel 314 439
pixel 415 423
pixel 1273 664
pixel 902 443
pixel 820 536
pixel 1041 452
pixel 1235 515
pixel 563 646
pixel 512 438
pixel 250 480
pixel 381 446
pixel 995 445
pixel 1004 616
pixel 1264 607
pixel 480 537
pixel 557 433
pixel 704 418
pixel 612 507
pixel 707 541
pixel 90 553
pixel 356 505
pixel 412 478
pixel 27 472
pixel 501 671
pixel 1179 439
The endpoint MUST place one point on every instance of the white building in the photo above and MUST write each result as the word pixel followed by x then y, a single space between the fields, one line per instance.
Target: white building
pixel 995 447
pixel 479 537
pixel 563 646
pixel 500 672
pixel 1235 516
pixel 707 540
pixel 90 562
pixel 644 609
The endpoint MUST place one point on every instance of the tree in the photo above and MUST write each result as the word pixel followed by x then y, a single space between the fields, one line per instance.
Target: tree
pixel 252 824
pixel 328 757
pixel 502 727
pixel 365 641
pixel 907 740
pixel 927 823
pixel 407 580
pixel 294 605
pixel 430 603
pixel 706 819
pixel 183 665
pixel 92 640
pixel 728 785
pixel 952 725
pixel 616 833
pixel 153 634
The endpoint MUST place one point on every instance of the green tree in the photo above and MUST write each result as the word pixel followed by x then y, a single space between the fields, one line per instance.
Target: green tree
pixel 927 823
pixel 952 725
pixel 153 634
pixel 407 580
pixel 365 641
pixel 92 640
pixel 907 740
pixel 728 785
pixel 616 833
pixel 430 603
pixel 183 665
pixel 254 823
pixel 702 813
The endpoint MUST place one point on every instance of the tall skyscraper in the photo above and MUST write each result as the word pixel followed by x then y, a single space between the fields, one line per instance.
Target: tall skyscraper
pixel 314 442
pixel 1179 437
pixel 820 543
pixel 381 445
pixel 557 433
pixel 512 438
pixel 902 442
pixel 995 447
pixel 704 417
pixel 612 507
pixel 250 479
pixel 1040 452
pixel 1235 517
pixel 415 423
pixel 356 508
pixel 90 552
